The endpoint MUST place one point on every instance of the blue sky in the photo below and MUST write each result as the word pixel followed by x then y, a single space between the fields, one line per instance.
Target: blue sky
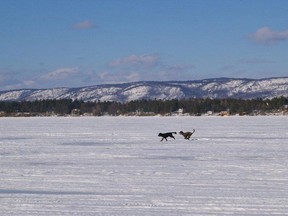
pixel 73 43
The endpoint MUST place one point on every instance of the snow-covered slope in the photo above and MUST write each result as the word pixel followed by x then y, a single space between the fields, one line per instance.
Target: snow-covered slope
pixel 212 88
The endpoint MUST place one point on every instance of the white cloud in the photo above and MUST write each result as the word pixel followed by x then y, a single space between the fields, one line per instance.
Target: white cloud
pixel 144 67
pixel 12 83
pixel 133 77
pixel 29 83
pixel 60 73
pixel 118 77
pixel 84 25
pixel 266 36
pixel 142 61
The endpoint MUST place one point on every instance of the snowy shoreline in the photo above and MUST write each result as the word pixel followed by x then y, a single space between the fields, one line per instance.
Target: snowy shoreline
pixel 145 116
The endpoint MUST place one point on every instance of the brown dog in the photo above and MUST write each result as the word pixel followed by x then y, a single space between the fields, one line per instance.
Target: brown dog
pixel 187 135
pixel 165 135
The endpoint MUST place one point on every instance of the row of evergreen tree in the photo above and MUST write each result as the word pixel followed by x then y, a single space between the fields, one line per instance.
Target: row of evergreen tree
pixel 190 106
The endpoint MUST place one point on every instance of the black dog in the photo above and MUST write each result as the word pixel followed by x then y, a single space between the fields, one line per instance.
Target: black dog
pixel 187 135
pixel 165 135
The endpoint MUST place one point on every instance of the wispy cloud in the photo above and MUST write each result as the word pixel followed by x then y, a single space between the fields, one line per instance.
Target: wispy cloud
pixel 266 36
pixel 60 73
pixel 143 67
pixel 131 68
pixel 226 68
pixel 143 61
pixel 179 67
pixel 87 24
pixel 119 77
pixel 9 82
pixel 255 61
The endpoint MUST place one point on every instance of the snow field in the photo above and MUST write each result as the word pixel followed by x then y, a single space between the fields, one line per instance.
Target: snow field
pixel 118 166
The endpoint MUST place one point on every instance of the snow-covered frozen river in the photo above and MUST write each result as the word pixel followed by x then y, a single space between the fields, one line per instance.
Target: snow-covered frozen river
pixel 118 166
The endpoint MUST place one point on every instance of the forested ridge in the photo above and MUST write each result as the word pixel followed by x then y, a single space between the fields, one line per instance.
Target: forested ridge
pixel 144 107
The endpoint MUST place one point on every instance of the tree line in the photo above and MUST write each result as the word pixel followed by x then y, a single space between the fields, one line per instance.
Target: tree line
pixel 144 107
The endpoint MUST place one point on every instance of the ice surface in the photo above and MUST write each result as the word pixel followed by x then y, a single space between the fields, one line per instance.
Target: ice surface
pixel 118 166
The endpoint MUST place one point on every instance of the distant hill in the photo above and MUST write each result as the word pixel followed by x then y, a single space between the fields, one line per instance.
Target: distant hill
pixel 150 90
